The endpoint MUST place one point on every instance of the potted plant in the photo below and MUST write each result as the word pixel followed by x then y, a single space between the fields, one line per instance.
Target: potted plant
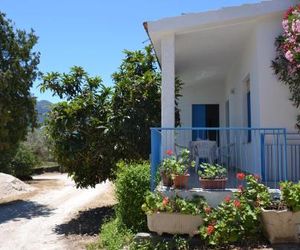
pixel 180 169
pixel 173 215
pixel 212 176
pixel 281 220
pixel 166 167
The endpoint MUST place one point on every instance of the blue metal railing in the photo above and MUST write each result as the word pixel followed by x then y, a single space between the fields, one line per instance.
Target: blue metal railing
pixel 266 154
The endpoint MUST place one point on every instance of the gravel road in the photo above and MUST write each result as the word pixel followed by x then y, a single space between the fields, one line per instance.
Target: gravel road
pixel 32 223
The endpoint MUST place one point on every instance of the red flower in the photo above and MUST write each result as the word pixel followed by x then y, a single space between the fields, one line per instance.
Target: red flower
pixel 210 229
pixel 237 203
pixel 165 201
pixel 240 176
pixel 227 199
pixel 169 152
pixel 207 210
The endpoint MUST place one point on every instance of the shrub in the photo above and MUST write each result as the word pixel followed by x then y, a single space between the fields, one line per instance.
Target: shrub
pixel 23 162
pixel 132 184
pixel 113 236
pixel 291 195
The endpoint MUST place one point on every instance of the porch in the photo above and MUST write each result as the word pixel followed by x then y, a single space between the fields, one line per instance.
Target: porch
pixel 271 153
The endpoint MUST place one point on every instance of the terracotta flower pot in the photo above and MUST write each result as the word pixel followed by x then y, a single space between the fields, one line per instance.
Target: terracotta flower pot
pixel 166 179
pixel 281 226
pixel 213 183
pixel 174 223
pixel 181 181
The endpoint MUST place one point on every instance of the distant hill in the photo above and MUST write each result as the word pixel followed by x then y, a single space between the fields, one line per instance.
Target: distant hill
pixel 42 107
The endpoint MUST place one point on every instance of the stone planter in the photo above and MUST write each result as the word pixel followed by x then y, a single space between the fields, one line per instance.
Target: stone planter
pixel 166 179
pixel 213 183
pixel 181 181
pixel 173 223
pixel 281 226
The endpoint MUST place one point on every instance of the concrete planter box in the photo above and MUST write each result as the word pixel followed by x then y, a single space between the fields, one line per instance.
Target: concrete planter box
pixel 173 223
pixel 281 226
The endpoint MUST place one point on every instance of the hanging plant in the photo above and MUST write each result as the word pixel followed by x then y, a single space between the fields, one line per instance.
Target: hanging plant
pixel 287 62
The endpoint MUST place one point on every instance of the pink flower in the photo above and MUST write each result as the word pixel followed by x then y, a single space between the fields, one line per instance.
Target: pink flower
pixel 289 56
pixel 169 152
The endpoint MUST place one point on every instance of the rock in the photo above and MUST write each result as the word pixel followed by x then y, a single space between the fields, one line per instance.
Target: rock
pixel 142 237
pixel 10 187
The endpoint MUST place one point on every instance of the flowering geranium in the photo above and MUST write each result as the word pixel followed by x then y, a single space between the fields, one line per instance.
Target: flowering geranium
pixel 237 219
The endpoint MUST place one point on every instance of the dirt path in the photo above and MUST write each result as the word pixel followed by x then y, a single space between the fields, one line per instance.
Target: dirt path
pixel 50 219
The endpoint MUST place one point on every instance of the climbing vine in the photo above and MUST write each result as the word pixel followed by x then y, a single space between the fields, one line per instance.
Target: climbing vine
pixel 287 62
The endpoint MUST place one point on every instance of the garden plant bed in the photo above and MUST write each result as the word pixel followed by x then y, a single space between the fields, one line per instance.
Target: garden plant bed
pixel 174 223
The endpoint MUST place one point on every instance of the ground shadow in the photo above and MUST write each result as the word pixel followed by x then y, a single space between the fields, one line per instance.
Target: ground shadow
pixel 22 210
pixel 87 222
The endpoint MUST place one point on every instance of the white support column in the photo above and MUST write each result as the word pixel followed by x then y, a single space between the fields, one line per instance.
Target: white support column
pixel 168 91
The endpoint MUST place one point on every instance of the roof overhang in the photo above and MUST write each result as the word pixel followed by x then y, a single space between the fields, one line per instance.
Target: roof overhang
pixel 203 21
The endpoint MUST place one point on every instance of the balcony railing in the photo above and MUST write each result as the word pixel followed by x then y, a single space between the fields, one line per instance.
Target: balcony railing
pixel 271 153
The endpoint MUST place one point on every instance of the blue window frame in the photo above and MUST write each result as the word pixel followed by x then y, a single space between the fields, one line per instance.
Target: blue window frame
pixel 249 115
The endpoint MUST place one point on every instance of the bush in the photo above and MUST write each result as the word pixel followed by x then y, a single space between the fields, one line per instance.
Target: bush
pixel 113 236
pixel 23 163
pixel 132 184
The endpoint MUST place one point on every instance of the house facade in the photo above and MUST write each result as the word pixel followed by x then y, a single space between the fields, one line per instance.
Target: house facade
pixel 224 59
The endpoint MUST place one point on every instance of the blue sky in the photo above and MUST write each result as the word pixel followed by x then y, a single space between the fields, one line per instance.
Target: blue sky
pixel 93 33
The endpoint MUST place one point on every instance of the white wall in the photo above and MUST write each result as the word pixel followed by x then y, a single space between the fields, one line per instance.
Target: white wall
pixel 208 93
pixel 276 109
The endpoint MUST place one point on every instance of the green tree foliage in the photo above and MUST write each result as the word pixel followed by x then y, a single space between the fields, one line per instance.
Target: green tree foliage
pixel 78 128
pixel 23 162
pixel 18 70
pixel 98 126
pixel 136 102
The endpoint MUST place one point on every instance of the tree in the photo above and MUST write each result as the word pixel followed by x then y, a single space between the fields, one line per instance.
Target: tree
pixel 18 70
pixel 136 102
pixel 79 127
pixel 98 126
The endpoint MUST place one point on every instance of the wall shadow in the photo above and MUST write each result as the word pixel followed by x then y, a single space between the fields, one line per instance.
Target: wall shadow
pixel 87 222
pixel 21 209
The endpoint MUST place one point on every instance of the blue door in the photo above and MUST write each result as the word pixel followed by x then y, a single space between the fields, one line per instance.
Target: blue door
pixel 198 120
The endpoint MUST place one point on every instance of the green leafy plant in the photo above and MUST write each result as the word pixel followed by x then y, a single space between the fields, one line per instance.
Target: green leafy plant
pixel 237 219
pixel 98 126
pixel 132 184
pixel 156 202
pixel 290 195
pixel 23 163
pixel 212 171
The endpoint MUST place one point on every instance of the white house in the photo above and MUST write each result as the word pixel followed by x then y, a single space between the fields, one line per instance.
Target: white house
pixel 224 59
